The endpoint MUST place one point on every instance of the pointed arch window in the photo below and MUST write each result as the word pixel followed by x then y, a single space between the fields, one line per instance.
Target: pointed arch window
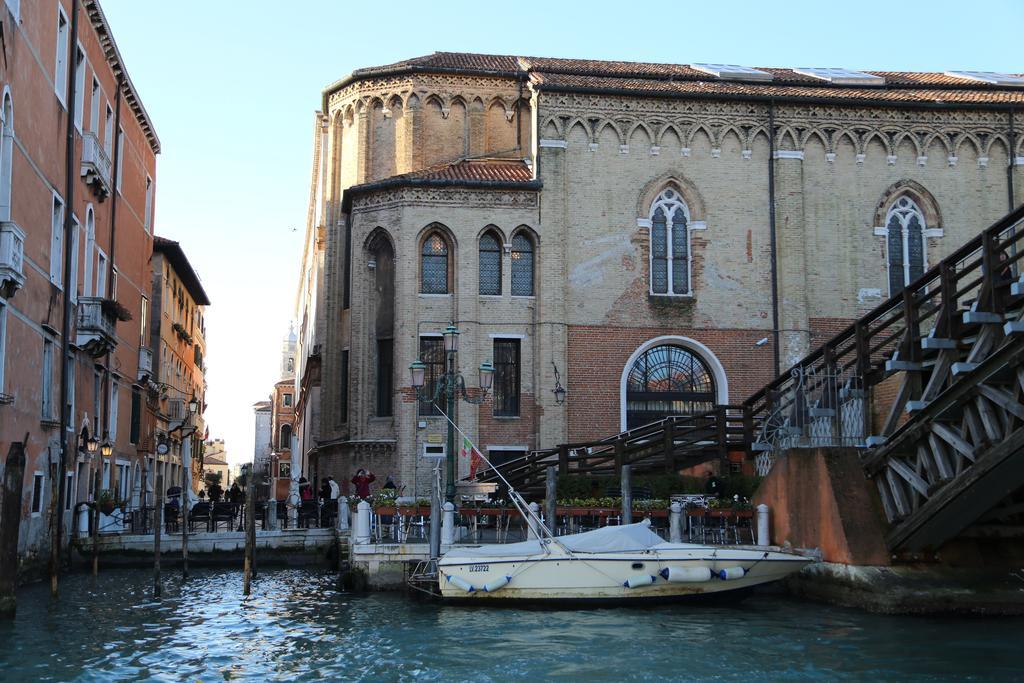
pixel 522 265
pixel 904 224
pixel 670 245
pixel 434 266
pixel 490 264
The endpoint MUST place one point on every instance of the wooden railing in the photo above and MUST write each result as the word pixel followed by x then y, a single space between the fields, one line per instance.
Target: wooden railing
pixel 667 445
pixel 927 315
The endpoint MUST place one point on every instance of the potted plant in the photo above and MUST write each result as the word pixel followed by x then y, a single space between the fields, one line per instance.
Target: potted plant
pixel 107 501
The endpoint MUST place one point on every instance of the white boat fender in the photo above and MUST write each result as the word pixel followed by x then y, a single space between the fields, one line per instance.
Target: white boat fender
pixel 497 584
pixel 731 573
pixel 461 583
pixel 686 574
pixel 639 580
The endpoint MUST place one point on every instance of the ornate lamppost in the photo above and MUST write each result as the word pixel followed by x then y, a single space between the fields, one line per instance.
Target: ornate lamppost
pixel 453 386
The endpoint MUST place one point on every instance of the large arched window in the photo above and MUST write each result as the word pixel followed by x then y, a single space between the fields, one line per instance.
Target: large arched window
pixel 490 263
pixel 667 380
pixel 434 265
pixel 904 224
pixel 670 245
pixel 522 265
pixel 286 438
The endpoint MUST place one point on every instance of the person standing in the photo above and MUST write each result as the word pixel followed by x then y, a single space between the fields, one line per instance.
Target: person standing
pixel 362 482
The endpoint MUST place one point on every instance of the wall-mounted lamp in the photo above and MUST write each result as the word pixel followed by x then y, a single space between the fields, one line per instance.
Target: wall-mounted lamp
pixel 559 390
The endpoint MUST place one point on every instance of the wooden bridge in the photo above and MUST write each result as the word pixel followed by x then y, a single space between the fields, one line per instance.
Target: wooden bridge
pixel 940 366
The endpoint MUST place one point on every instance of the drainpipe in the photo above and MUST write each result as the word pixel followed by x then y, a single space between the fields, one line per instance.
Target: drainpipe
pixel 771 233
pixel 1009 167
pixel 65 326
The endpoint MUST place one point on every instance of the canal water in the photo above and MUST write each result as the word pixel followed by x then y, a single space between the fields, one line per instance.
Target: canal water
pixel 296 626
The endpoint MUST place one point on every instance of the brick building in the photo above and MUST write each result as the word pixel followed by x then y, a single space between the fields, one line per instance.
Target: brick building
pixel 654 238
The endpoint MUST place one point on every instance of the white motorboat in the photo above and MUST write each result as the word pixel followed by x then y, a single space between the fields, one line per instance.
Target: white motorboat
pixel 628 563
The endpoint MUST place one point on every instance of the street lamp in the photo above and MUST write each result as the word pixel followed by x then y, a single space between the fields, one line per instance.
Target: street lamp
pixel 193 405
pixel 92 444
pixel 453 386
pixel 107 449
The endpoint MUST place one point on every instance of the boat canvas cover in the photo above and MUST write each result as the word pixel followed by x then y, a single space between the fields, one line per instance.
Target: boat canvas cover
pixel 609 539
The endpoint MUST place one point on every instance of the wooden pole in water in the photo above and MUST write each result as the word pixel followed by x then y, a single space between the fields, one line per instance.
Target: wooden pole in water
pixel 250 533
pixel 54 511
pixel 185 513
pixel 10 522
pixel 549 499
pixel 158 522
pixel 97 480
pixel 627 494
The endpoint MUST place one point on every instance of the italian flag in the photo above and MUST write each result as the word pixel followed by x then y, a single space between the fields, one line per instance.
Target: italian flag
pixel 469 458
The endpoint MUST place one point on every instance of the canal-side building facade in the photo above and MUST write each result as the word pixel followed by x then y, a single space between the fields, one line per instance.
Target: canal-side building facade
pixel 178 343
pixel 654 239
pixel 74 229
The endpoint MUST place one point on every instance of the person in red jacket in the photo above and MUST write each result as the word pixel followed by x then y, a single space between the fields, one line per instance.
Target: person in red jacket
pixel 362 482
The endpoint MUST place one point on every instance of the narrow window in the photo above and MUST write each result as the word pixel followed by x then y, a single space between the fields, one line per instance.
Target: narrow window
pixel 69 491
pixel 112 423
pixel 108 131
pixel 101 274
pixel 120 156
pixel 97 404
pixel 431 354
pixel 76 229
pixel 287 400
pixel 506 378
pixel 6 155
pixel 490 264
pixel 522 265
pixel 670 245
pixel 37 494
pixel 90 248
pixel 69 369
pixel 148 220
pixel 144 327
pixel 57 241
pixel 385 373
pixel 343 408
pixel 60 71
pixel 136 426
pixel 79 86
pixel 47 387
pixel 435 265
pixel 905 240
pixel 286 438
pixel 94 108
pixel 3 341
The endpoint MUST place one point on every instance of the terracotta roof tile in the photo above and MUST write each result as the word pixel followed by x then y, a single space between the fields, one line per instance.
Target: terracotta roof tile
pixel 681 79
pixel 493 170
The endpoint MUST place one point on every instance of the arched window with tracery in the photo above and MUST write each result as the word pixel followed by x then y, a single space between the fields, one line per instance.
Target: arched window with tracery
pixel 434 265
pixel 490 264
pixel 670 245
pixel 904 224
pixel 522 265
pixel 667 380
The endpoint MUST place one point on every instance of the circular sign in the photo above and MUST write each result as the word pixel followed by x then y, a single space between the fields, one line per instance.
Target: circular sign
pixel 162 448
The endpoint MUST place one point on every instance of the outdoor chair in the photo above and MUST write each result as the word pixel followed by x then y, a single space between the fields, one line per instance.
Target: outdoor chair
pixel 222 513
pixel 200 513
pixel 171 522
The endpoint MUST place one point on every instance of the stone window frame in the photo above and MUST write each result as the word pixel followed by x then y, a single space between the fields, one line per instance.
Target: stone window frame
pixel 693 203
pixel 927 208
pixel 449 240
pixel 524 232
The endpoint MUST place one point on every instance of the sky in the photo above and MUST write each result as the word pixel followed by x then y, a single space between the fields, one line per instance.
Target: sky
pixel 232 87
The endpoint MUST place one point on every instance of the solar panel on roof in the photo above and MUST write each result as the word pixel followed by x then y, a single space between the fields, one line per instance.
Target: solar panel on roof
pixel 992 77
pixel 841 76
pixel 733 72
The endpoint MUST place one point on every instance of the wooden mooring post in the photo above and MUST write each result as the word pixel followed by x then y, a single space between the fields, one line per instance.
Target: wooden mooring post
pixel 250 535
pixel 97 480
pixel 550 509
pixel 158 522
pixel 185 513
pixel 626 489
pixel 55 510
pixel 10 521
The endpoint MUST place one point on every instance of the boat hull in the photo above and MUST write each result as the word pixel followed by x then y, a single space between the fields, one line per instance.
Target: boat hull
pixel 559 577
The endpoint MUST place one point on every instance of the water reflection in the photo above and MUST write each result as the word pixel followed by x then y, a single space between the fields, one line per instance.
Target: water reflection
pixel 296 626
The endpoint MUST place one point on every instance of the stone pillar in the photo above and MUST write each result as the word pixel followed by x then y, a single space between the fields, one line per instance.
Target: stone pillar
pixel 271 515
pixel 83 521
pixel 364 155
pixel 763 537
pixel 675 523
pixel 343 512
pixel 477 129
pixel 410 154
pixel 791 238
pixel 362 523
pixel 448 523
pixel 294 501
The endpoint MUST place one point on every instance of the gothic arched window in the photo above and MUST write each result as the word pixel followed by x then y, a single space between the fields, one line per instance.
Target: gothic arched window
pixel 522 265
pixel 667 380
pixel 490 264
pixel 434 266
pixel 904 225
pixel 670 245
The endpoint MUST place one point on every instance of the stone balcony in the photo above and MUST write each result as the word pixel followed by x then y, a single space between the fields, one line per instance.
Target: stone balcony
pixel 96 166
pixel 96 326
pixel 12 259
